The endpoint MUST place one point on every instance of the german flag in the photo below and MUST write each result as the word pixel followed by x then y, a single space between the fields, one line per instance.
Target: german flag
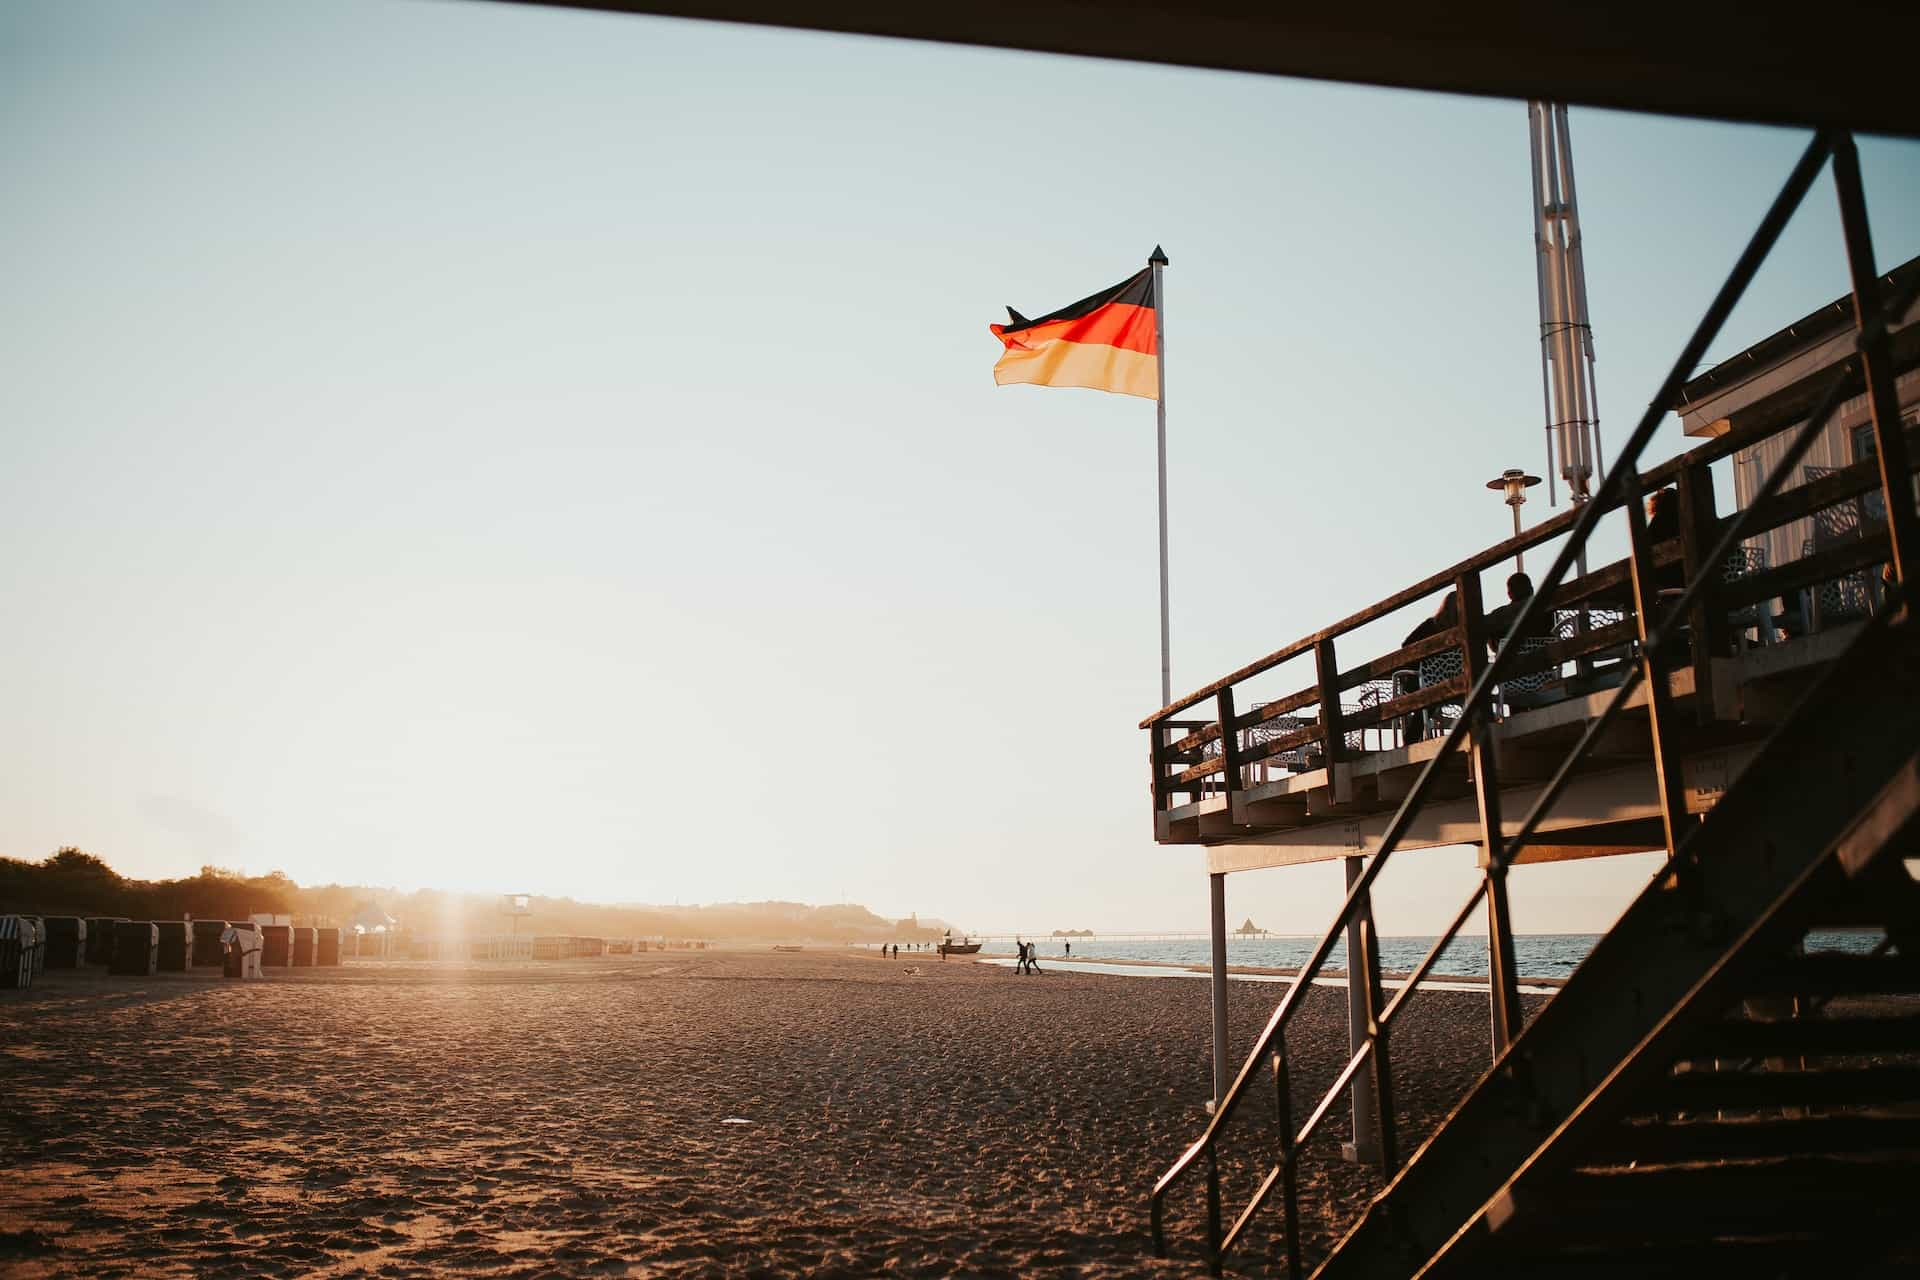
pixel 1106 342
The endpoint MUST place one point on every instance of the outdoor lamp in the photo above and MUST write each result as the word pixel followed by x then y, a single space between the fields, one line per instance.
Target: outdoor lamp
pixel 1515 483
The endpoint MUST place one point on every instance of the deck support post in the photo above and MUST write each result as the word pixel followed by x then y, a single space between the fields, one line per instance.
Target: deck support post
pixel 1503 990
pixel 1890 444
pixel 1217 926
pixel 1706 623
pixel 1361 1011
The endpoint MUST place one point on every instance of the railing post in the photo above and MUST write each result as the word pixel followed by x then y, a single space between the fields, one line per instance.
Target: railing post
pixel 1362 1015
pixel 1333 730
pixel 1503 988
pixel 1896 475
pixel 1157 756
pixel 1666 757
pixel 1706 622
pixel 1229 750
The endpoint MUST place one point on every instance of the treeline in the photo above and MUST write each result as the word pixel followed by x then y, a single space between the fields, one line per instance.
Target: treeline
pixel 74 883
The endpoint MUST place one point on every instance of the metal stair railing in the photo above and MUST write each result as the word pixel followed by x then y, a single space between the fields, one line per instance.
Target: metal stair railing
pixel 1622 486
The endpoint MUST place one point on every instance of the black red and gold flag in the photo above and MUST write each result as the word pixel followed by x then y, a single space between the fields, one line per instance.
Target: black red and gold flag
pixel 1106 342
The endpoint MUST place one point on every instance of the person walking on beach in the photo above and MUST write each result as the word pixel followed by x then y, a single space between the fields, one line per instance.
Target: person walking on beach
pixel 1033 956
pixel 1069 951
pixel 1020 965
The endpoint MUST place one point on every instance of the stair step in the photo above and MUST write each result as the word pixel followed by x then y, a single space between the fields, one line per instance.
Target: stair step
pixel 1784 1255
pixel 1809 1037
pixel 1652 1142
pixel 1830 973
pixel 1770 1200
pixel 1828 1086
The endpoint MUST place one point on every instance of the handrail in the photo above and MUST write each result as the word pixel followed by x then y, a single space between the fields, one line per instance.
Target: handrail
pixel 1622 486
pixel 1657 476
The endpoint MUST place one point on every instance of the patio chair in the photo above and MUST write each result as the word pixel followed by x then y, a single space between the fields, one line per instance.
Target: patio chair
pixel 1438 669
pixel 1532 689
pixel 1293 760
pixel 1743 562
pixel 1386 734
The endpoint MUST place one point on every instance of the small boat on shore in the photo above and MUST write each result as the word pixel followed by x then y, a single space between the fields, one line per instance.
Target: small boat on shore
pixel 948 947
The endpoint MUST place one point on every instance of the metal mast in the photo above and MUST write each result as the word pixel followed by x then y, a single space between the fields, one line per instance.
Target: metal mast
pixel 1568 391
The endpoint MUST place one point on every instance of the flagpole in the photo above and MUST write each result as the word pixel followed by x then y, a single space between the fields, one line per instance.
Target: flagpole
pixel 1158 261
pixel 1216 881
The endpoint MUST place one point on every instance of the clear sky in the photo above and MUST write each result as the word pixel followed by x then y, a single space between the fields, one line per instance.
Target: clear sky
pixel 470 445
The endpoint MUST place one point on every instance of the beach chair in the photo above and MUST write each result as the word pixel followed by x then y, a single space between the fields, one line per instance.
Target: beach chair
pixel 16 962
pixel 136 949
pixel 66 942
pixel 36 942
pixel 176 945
pixel 100 938
pixel 208 951
pixel 242 947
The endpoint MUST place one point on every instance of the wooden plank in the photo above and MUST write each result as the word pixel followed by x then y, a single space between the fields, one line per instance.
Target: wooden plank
pixel 1826 972
pixel 1753 1090
pixel 1276 746
pixel 1280 707
pixel 1706 1138
pixel 1807 1037
pixel 1400 659
pixel 1452 689
pixel 1206 768
pixel 1194 741
pixel 1278 811
pixel 1599 841
pixel 1668 1205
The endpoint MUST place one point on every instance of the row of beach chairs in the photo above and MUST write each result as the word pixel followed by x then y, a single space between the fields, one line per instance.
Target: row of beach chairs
pixel 30 945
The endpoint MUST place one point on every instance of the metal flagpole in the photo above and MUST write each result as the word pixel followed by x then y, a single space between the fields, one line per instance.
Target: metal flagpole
pixel 1216 883
pixel 1157 262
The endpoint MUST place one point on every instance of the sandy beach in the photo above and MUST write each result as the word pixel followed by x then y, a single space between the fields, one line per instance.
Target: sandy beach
pixel 730 1113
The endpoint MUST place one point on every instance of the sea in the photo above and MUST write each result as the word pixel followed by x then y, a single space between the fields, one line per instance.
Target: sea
pixel 1539 955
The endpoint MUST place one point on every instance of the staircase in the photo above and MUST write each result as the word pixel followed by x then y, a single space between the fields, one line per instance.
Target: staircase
pixel 1698 1091
pixel 1703 1096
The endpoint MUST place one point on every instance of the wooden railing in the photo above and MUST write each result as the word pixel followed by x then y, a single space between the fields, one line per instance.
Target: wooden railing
pixel 1205 758
pixel 1696 615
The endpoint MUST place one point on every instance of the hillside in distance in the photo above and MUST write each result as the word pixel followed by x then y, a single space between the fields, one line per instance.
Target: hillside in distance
pixel 73 882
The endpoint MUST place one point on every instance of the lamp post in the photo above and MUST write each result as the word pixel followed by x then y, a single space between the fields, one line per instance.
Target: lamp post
pixel 1514 483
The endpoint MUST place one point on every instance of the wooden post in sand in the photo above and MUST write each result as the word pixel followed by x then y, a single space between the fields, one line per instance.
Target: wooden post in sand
pixel 1217 924
pixel 1365 1146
